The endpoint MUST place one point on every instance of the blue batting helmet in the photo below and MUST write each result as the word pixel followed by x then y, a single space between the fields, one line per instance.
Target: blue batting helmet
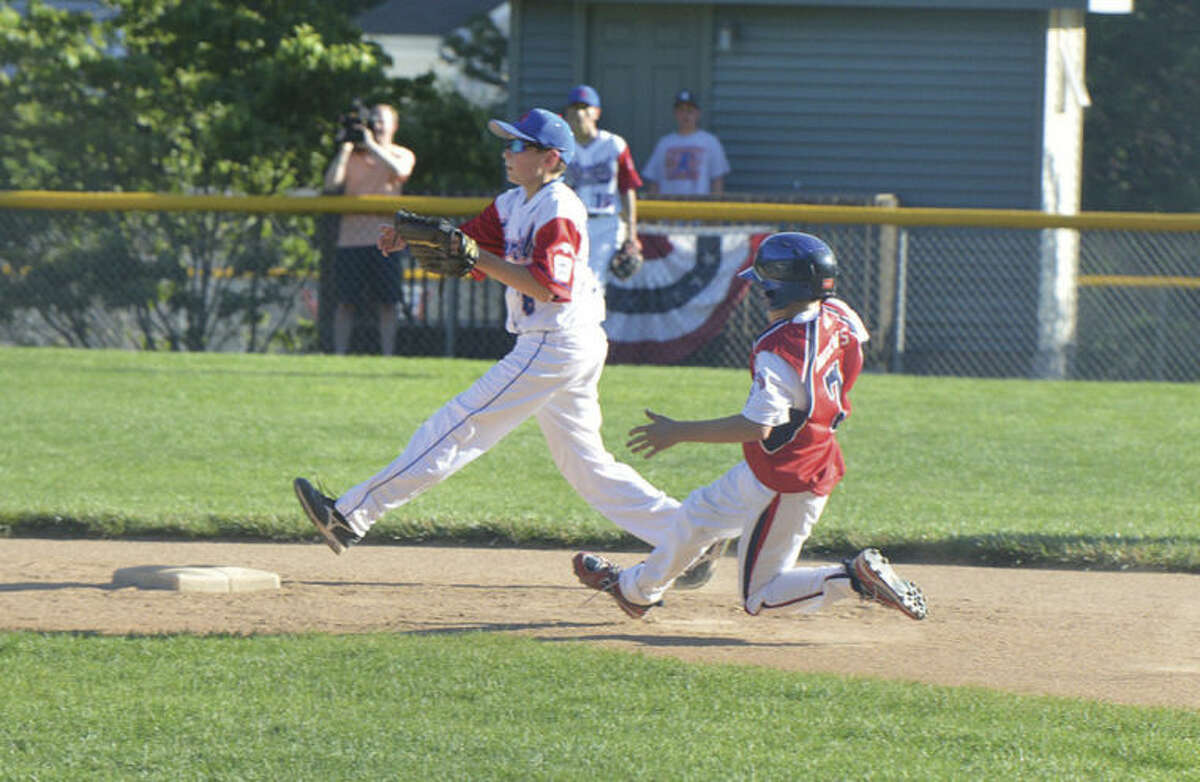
pixel 792 267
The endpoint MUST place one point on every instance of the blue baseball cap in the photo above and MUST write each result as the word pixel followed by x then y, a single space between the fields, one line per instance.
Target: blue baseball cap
pixel 686 96
pixel 585 95
pixel 541 127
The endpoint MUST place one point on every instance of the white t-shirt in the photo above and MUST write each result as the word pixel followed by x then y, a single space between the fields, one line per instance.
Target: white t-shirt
pixel 686 165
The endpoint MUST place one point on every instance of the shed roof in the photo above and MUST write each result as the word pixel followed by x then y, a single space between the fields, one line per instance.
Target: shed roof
pixel 421 17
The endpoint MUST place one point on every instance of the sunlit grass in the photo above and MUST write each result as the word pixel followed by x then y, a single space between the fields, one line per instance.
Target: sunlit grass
pixel 120 443
pixel 482 706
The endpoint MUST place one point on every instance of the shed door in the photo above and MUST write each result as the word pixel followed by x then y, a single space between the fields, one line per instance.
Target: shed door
pixel 639 56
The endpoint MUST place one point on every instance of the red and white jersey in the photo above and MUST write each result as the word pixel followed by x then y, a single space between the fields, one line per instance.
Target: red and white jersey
pixel 601 171
pixel 548 234
pixel 803 370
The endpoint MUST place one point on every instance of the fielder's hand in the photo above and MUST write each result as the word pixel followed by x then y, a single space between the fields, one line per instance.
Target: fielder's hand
pixel 658 435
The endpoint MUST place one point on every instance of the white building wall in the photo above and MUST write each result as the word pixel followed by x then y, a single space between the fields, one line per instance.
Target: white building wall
pixel 416 55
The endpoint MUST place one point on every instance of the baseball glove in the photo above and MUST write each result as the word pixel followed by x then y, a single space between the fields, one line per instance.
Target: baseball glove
pixel 626 261
pixel 436 244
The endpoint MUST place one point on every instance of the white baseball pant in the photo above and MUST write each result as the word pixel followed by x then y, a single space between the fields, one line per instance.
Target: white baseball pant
pixel 551 375
pixel 606 233
pixel 773 528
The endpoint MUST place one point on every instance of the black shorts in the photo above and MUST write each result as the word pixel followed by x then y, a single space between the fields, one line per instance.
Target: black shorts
pixel 362 275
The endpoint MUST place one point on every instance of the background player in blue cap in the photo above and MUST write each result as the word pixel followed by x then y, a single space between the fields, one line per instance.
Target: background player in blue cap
pixel 533 239
pixel 803 366
pixel 606 179
pixel 689 161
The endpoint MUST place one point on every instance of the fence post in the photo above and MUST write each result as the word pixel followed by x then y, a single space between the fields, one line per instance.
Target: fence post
pixel 1057 302
pixel 878 295
pixel 1160 333
pixel 898 311
pixel 450 314
pixel 325 240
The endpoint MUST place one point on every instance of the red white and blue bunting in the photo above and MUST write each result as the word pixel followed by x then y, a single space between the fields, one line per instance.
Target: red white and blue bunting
pixel 683 294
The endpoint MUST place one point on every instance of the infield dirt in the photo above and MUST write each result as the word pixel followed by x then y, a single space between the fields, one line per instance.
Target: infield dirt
pixel 1130 638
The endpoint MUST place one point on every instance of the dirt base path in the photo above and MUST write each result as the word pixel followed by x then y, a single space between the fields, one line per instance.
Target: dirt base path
pixel 1122 637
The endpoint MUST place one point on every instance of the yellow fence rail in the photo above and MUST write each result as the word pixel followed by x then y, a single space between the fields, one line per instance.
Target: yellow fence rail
pixel 714 211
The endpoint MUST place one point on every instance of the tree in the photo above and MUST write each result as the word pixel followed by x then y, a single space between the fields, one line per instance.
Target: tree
pixel 1142 150
pixel 480 49
pixel 456 155
pixel 206 95
pixel 193 96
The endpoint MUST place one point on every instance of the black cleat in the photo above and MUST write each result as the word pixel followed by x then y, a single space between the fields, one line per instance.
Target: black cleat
pixel 325 517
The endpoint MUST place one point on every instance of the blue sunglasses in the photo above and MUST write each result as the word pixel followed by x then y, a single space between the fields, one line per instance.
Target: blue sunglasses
pixel 520 145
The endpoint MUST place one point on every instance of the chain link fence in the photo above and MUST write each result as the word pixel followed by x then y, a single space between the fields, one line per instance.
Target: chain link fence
pixel 962 300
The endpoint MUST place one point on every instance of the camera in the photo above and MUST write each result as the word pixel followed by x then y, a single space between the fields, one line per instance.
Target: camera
pixel 355 123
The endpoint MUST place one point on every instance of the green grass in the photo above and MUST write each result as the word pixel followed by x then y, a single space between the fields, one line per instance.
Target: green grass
pixel 481 706
pixel 956 470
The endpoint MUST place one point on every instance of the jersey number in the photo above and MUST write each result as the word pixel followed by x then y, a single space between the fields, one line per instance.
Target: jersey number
pixel 832 381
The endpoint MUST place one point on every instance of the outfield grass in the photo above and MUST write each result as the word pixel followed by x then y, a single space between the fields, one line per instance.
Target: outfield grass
pixel 484 706
pixel 943 469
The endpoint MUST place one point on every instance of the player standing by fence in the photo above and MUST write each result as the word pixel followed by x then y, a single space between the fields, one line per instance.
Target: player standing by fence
pixel 690 161
pixel 606 179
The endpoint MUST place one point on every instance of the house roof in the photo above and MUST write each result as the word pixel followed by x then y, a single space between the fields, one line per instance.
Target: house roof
pixel 421 17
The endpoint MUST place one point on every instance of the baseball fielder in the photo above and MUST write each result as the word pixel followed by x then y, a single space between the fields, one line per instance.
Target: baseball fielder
pixel 606 180
pixel 802 369
pixel 533 239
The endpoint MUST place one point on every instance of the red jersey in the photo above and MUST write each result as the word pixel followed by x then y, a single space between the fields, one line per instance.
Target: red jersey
pixel 803 454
